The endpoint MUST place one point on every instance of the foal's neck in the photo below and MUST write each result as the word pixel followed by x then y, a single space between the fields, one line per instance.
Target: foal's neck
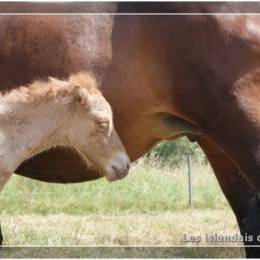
pixel 28 129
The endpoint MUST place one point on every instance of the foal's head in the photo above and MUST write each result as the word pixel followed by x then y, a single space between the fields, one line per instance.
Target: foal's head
pixel 90 130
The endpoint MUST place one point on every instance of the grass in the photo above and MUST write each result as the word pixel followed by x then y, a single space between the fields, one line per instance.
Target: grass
pixel 149 207
pixel 148 188
pixel 161 229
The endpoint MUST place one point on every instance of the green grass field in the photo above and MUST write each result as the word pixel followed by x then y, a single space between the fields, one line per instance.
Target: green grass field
pixel 149 207
pixel 149 188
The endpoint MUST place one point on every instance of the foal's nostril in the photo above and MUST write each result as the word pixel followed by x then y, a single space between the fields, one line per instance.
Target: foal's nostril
pixel 118 172
pixel 114 168
pixel 118 167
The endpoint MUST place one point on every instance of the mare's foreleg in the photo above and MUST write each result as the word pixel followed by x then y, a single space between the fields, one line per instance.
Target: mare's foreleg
pixel 242 197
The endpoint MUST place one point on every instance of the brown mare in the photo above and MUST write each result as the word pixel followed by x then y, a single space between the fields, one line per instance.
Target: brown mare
pixel 164 76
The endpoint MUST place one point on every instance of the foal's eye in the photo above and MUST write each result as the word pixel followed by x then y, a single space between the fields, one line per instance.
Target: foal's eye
pixel 103 125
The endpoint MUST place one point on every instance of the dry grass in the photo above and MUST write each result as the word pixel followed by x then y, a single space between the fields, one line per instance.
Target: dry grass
pixel 157 230
pixel 164 229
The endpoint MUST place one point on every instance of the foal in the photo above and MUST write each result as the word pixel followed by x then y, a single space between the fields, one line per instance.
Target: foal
pixel 72 113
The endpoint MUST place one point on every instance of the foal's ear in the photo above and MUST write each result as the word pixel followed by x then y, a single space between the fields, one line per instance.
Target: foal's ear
pixel 80 96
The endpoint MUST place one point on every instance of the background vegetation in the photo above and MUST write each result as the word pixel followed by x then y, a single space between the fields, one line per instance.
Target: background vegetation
pixel 174 153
